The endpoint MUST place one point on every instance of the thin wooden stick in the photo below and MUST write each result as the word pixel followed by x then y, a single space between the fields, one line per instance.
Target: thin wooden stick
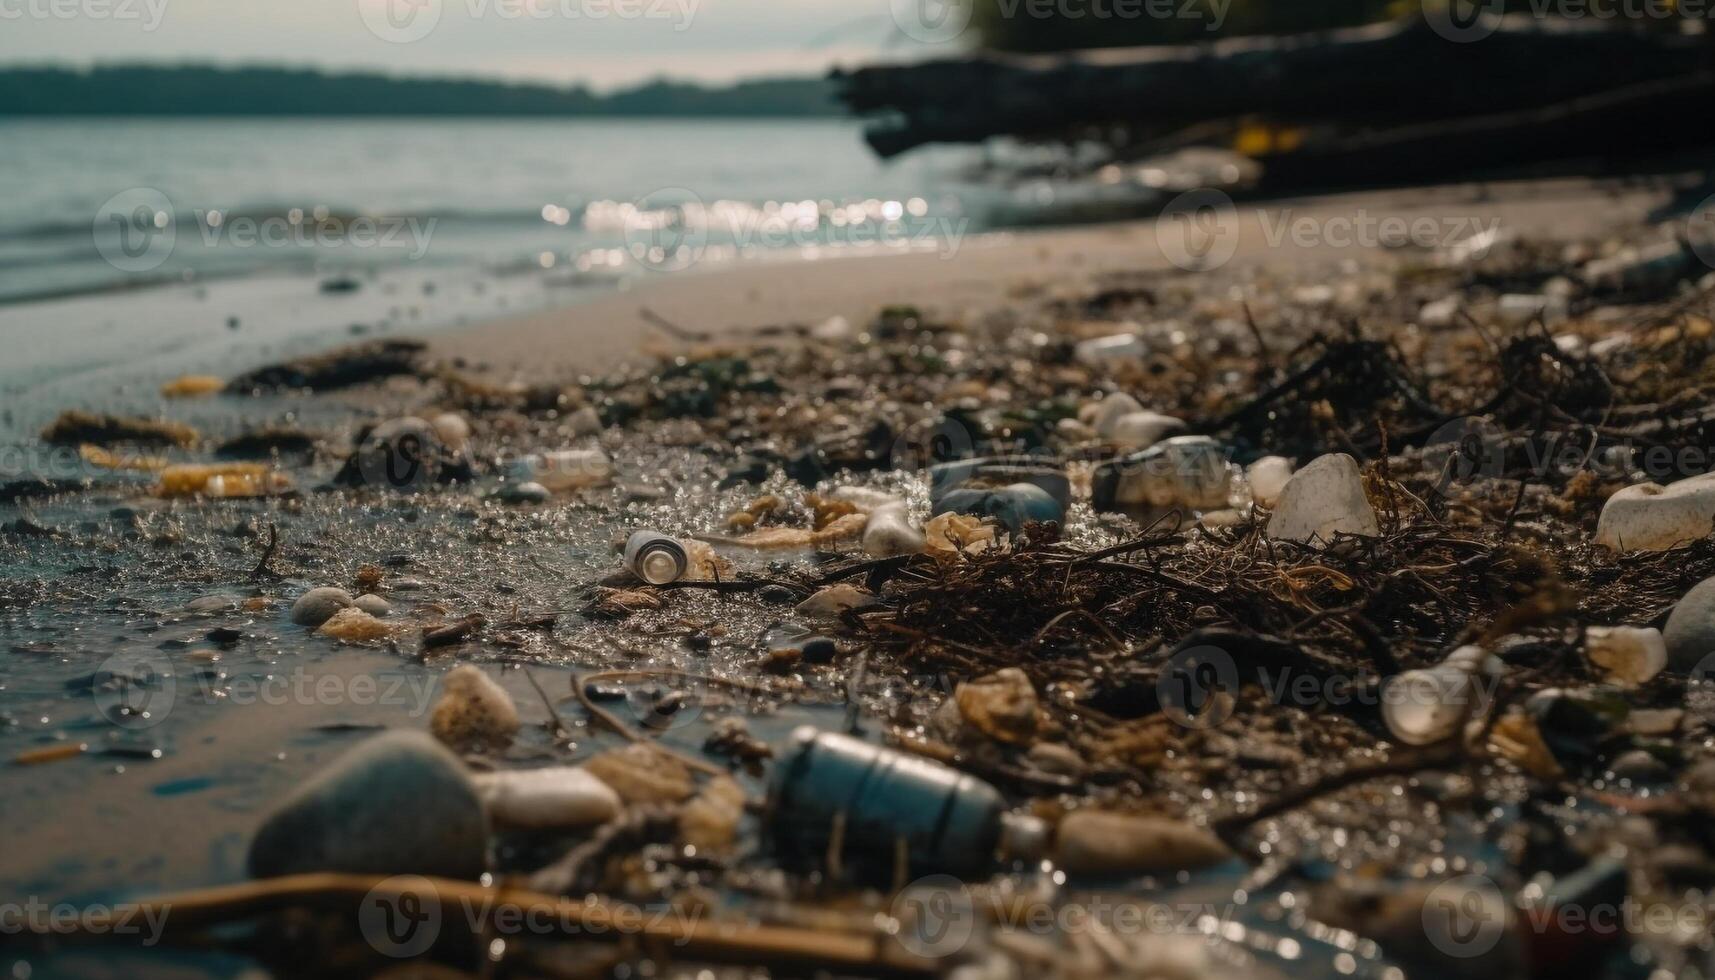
pixel 724 940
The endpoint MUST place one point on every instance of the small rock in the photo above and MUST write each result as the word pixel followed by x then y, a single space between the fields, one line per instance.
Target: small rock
pixel 1690 631
pixel 1095 842
pixel 1267 477
pixel 317 606
pixel 1323 499
pixel 1101 415
pixel 527 492
pixel 642 774
pixel 374 605
pixel 397 804
pixel 1001 705
pixel 555 798
pixel 1056 760
pixel 353 625
pixel 453 430
pixel 1626 654
pixel 473 709
pixel 1183 471
pixel 1638 766
pixel 831 602
pixel 1651 517
pixel 585 421
pixel 1140 430
pixel 1654 722
pixel 204 605
pixel 890 532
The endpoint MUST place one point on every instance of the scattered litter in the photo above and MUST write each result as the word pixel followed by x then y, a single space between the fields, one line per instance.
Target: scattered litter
pixel 218 481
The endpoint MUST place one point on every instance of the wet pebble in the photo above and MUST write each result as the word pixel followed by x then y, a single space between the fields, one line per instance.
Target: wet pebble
pixel 473 709
pixel 317 606
pixel 398 804
pixel 373 604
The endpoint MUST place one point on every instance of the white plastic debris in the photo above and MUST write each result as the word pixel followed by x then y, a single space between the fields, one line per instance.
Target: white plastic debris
pixel 1422 707
pixel 1105 350
pixel 890 532
pixel 568 469
pixel 1323 499
pixel 1140 430
pixel 866 499
pixel 1267 478
pixel 1628 655
pixel 555 798
pixel 1438 313
pixel 1651 517
pixel 1518 308
pixel 1101 415
pixel 834 329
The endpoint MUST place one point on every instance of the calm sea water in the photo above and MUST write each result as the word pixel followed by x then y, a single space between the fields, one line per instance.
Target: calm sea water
pixel 92 203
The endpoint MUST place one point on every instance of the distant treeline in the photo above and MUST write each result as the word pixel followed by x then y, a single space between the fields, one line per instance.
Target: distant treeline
pixel 211 91
pixel 1059 25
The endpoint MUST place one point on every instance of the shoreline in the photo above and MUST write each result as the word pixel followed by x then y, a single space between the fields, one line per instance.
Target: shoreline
pixel 979 276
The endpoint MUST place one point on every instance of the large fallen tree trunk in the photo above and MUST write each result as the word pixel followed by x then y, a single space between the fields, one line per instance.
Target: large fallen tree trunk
pixel 1610 132
pixel 1382 75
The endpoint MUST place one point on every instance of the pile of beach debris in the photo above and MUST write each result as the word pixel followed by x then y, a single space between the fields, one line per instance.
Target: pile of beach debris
pixel 1380 600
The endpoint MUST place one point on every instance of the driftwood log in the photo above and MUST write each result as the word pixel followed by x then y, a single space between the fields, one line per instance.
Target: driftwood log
pixel 1386 75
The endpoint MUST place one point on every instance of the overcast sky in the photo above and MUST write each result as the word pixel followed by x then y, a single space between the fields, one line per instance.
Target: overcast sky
pixel 604 42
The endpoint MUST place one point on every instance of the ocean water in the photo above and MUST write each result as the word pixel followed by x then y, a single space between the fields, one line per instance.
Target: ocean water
pixel 95 204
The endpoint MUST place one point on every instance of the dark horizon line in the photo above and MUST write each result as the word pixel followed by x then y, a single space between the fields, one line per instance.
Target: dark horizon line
pixel 476 78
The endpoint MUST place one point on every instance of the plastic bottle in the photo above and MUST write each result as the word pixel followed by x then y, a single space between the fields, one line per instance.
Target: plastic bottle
pixel 655 557
pixel 951 823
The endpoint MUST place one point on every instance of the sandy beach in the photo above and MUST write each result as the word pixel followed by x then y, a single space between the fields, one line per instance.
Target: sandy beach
pixel 984 273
